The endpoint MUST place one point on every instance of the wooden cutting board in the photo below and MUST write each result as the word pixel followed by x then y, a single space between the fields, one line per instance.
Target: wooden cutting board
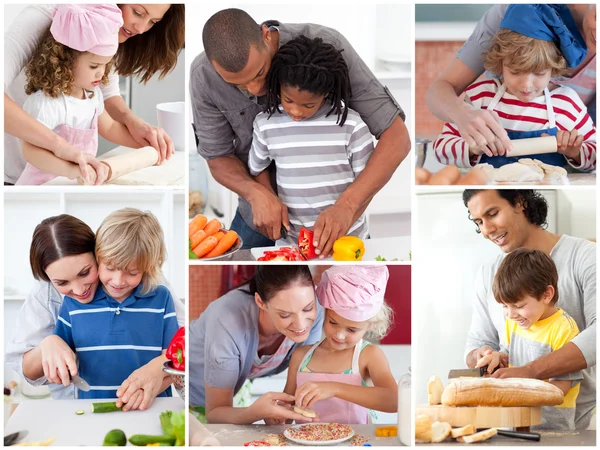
pixel 484 416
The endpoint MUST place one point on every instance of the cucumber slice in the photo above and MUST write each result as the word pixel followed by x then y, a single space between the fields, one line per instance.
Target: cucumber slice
pixel 105 407
pixel 79 413
pixel 144 439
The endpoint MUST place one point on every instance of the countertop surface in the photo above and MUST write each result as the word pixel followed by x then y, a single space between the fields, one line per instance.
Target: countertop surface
pixel 549 438
pixel 237 435
pixel 56 418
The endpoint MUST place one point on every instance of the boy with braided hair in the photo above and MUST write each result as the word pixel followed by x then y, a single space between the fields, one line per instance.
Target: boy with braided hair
pixel 318 144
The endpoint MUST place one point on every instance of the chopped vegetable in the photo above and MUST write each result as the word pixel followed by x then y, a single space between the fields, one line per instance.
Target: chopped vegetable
pixel 79 413
pixel 45 443
pixel 115 438
pixel 348 248
pixel 105 407
pixel 305 243
pixel 176 350
pixel 281 254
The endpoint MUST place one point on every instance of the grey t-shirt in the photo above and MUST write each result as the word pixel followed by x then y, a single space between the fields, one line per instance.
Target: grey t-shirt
pixel 225 343
pixel 575 261
pixel 223 114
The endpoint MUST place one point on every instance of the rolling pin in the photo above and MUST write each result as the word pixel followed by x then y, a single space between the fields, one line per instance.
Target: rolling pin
pixel 533 146
pixel 126 163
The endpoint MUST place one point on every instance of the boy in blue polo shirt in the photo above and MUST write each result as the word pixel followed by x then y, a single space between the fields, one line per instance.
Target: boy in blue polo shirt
pixel 131 319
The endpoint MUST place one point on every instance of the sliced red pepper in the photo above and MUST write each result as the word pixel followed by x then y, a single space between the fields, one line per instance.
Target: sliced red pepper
pixel 281 254
pixel 176 350
pixel 305 243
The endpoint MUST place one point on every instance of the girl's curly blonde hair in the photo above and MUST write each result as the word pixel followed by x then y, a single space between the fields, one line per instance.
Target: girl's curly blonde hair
pixel 51 67
pixel 380 323
pixel 524 54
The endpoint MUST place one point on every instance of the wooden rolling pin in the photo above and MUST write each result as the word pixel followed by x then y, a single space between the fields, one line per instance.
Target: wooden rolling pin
pixel 533 146
pixel 126 163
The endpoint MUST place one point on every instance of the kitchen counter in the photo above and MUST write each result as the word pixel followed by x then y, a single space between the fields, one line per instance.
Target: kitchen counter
pixel 237 435
pixel 389 248
pixel 549 438
pixel 47 418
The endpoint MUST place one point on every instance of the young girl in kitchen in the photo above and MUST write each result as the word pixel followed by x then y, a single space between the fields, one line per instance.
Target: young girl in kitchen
pixel 130 320
pixel 526 285
pixel 332 377
pixel 318 144
pixel 63 75
pixel 526 54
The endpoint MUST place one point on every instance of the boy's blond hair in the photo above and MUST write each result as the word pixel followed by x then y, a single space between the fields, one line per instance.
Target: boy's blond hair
pixel 131 236
pixel 524 54
pixel 380 323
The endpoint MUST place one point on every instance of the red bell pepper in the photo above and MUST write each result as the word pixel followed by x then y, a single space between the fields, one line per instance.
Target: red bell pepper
pixel 305 243
pixel 176 350
pixel 281 254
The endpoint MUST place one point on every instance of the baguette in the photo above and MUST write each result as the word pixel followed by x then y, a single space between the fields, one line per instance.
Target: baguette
pixel 440 431
pixel 501 392
pixel 463 431
pixel 481 436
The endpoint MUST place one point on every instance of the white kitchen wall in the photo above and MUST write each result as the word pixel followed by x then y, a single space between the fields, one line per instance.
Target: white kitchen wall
pixel 447 254
pixel 381 36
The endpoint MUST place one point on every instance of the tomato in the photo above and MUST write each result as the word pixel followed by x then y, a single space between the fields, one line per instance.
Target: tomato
pixel 305 243
pixel 281 254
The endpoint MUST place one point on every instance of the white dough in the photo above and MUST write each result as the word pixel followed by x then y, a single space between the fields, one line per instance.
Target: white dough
pixel 525 170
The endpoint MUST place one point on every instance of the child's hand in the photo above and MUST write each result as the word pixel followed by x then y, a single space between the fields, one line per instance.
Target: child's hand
pixel 569 143
pixel 276 406
pixel 310 393
pixel 135 401
pixel 492 360
pixel 100 170
pixel 147 379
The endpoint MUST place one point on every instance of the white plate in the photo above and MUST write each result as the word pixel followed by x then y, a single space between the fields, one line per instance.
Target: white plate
pixel 304 442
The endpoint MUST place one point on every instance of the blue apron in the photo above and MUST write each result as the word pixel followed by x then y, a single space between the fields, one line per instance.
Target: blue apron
pixel 554 159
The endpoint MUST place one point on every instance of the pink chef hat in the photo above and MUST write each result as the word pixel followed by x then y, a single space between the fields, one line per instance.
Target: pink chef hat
pixel 88 28
pixel 354 292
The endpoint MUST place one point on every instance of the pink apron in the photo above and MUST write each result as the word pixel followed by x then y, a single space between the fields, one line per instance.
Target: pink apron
pixel 85 140
pixel 335 410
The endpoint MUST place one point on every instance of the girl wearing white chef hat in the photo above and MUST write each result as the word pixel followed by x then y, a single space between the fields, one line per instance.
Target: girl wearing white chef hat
pixel 331 376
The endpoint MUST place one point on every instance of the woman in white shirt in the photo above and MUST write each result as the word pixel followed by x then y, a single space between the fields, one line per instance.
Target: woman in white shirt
pixel 161 30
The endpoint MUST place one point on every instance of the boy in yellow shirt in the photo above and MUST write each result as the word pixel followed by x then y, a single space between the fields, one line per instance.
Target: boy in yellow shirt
pixel 526 284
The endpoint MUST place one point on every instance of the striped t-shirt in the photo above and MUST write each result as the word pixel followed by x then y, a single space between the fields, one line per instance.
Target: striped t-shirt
pixel 515 115
pixel 113 339
pixel 315 159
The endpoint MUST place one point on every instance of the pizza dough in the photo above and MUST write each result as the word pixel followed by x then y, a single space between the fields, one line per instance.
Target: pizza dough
pixel 501 392
pixel 526 170
pixel 305 412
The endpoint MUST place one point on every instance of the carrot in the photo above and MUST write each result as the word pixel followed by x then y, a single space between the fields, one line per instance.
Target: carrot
pixel 219 235
pixel 198 237
pixel 212 227
pixel 205 246
pixel 197 223
pixel 224 244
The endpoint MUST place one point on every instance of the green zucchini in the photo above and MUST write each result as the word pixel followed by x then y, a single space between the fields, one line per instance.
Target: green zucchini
pixel 115 438
pixel 79 413
pixel 144 439
pixel 105 407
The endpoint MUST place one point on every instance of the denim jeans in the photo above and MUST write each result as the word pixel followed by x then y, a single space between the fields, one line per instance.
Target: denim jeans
pixel 250 237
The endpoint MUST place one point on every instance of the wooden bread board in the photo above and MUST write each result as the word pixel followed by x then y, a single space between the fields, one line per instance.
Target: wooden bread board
pixel 484 416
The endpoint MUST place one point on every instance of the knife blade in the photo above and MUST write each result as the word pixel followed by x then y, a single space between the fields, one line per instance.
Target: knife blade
pixel 286 237
pixel 457 373
pixel 80 383
pixel 14 437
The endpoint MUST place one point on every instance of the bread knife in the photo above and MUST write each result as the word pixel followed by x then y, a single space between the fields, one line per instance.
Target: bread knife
pixel 480 372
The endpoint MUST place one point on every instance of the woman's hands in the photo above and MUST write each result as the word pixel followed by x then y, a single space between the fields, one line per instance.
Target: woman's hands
pixel 84 160
pixel 58 360
pixel 140 389
pixel 146 134
pixel 276 407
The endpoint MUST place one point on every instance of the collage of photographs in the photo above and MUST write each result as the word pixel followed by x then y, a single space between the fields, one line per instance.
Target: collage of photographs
pixel 390 213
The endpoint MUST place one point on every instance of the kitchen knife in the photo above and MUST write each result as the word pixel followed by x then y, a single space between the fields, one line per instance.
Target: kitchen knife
pixel 287 238
pixel 480 372
pixel 80 383
pixel 520 435
pixel 14 438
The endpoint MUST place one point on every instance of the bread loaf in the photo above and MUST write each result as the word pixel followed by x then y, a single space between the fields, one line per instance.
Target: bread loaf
pixel 501 392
